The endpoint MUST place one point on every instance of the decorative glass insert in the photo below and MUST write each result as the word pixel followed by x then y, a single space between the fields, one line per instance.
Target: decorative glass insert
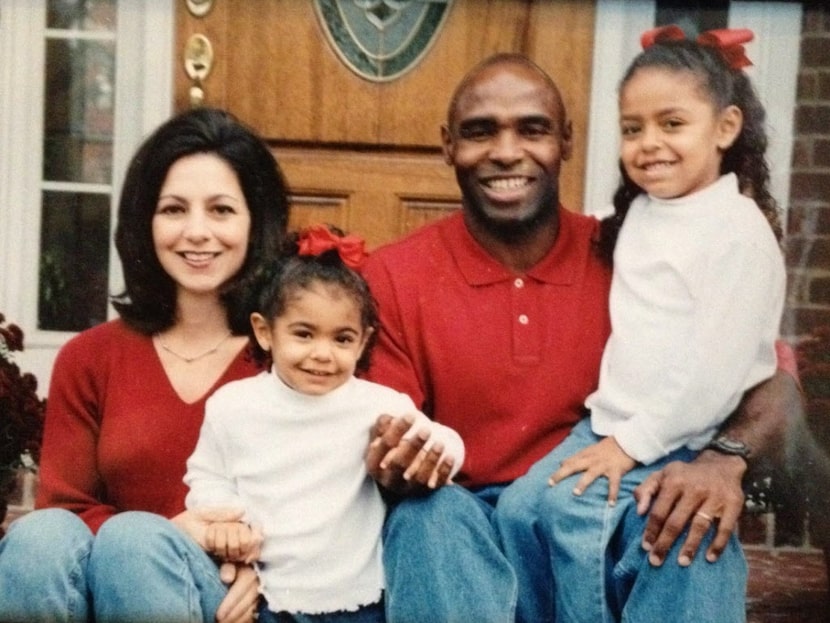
pixel 78 127
pixel 380 40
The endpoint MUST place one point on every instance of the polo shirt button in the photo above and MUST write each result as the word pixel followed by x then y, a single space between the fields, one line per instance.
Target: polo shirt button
pixel 519 283
pixel 523 319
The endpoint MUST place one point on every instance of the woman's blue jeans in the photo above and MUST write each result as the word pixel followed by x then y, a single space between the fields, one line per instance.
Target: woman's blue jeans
pixel 138 568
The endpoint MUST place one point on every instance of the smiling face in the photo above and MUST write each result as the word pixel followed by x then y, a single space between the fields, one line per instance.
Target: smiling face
pixel 201 224
pixel 507 137
pixel 673 137
pixel 317 340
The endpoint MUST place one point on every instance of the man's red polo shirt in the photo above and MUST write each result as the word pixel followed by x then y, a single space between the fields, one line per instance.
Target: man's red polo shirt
pixel 506 359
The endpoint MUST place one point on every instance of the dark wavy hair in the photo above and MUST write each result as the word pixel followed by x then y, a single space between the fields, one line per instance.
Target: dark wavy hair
pixel 275 283
pixel 726 87
pixel 148 302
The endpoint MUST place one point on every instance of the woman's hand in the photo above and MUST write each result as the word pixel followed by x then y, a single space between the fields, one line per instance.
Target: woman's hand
pixel 240 604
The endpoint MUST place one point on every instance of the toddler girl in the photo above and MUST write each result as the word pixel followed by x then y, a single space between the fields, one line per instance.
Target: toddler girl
pixel 287 446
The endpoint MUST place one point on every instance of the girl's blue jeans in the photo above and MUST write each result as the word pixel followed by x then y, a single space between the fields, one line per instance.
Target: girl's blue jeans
pixel 457 556
pixel 139 568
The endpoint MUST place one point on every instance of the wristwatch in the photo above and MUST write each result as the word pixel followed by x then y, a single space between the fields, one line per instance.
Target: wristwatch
pixel 727 445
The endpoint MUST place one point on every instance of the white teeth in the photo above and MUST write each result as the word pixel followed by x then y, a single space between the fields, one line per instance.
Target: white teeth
pixel 656 165
pixel 196 256
pixel 507 183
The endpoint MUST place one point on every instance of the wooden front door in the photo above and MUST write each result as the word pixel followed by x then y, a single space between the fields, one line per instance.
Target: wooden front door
pixel 365 155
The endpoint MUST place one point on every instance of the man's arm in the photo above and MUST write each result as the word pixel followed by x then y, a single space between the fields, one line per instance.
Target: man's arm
pixel 684 494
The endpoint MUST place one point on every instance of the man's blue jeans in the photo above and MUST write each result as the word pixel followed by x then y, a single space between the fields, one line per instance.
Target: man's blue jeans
pixel 138 568
pixel 457 556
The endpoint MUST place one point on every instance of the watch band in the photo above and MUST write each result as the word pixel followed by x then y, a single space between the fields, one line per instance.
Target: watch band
pixel 727 445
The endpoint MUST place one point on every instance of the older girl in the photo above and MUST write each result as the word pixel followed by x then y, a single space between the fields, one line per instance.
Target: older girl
pixel 696 301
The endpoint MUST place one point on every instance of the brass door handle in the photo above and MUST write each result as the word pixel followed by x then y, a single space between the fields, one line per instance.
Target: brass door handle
pixel 198 61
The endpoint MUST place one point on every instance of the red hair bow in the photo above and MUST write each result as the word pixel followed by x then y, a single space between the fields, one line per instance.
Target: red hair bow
pixel 728 41
pixel 318 239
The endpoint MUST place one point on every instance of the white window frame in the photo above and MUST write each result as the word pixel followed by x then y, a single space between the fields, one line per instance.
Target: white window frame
pixel 774 53
pixel 144 98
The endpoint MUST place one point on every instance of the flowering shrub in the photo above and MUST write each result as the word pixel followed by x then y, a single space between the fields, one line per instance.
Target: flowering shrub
pixel 21 411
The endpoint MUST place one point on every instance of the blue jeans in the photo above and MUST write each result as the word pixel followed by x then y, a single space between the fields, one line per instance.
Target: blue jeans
pixel 139 567
pixel 372 613
pixel 443 562
pixel 577 559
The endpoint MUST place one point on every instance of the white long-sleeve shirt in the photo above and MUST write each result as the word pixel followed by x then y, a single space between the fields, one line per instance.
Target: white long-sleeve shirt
pixel 294 463
pixel 696 301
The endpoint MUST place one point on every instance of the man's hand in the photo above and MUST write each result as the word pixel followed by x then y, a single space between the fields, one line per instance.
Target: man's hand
pixel 402 465
pixel 709 490
pixel 700 494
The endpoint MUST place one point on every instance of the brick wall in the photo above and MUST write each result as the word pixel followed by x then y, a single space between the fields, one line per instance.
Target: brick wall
pixel 808 227
pixel 808 263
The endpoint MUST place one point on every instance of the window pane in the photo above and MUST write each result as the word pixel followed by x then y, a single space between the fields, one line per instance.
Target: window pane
pixel 81 15
pixel 74 261
pixel 78 114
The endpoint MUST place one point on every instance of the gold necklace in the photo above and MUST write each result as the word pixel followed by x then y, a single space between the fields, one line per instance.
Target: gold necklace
pixel 209 351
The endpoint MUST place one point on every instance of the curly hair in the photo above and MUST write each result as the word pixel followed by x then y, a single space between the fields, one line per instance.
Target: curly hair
pixel 726 87
pixel 148 302
pixel 273 285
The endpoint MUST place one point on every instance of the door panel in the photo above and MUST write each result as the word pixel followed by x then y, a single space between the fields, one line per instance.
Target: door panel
pixel 380 196
pixel 368 154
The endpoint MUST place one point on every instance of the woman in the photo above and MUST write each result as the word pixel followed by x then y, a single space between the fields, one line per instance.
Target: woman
pixel 202 203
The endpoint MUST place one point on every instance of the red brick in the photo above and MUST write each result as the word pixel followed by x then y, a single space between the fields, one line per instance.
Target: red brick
pixel 812 119
pixel 808 85
pixel 807 220
pixel 815 51
pixel 807 319
pixel 823 84
pixel 805 186
pixel 802 152
pixel 821 152
pixel 820 291
pixel 812 20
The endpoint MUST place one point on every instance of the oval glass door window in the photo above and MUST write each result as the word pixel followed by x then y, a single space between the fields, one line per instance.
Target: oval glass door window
pixel 381 39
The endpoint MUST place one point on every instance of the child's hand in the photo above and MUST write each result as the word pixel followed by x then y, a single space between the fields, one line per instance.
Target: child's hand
pixel 604 458
pixel 429 468
pixel 233 541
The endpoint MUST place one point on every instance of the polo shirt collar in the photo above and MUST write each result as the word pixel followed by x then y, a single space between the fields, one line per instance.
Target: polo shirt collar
pixel 560 266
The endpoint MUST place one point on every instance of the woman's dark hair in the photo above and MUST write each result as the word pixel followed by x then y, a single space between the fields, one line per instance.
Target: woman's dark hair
pixel 277 281
pixel 148 303
pixel 726 87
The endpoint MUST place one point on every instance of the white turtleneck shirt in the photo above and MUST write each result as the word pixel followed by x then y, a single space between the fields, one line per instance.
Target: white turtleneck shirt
pixel 696 300
pixel 294 463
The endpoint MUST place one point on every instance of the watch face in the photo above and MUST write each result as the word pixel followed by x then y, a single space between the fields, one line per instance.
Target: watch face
pixel 730 446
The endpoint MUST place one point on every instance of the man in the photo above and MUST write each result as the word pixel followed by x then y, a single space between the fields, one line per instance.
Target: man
pixel 494 321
